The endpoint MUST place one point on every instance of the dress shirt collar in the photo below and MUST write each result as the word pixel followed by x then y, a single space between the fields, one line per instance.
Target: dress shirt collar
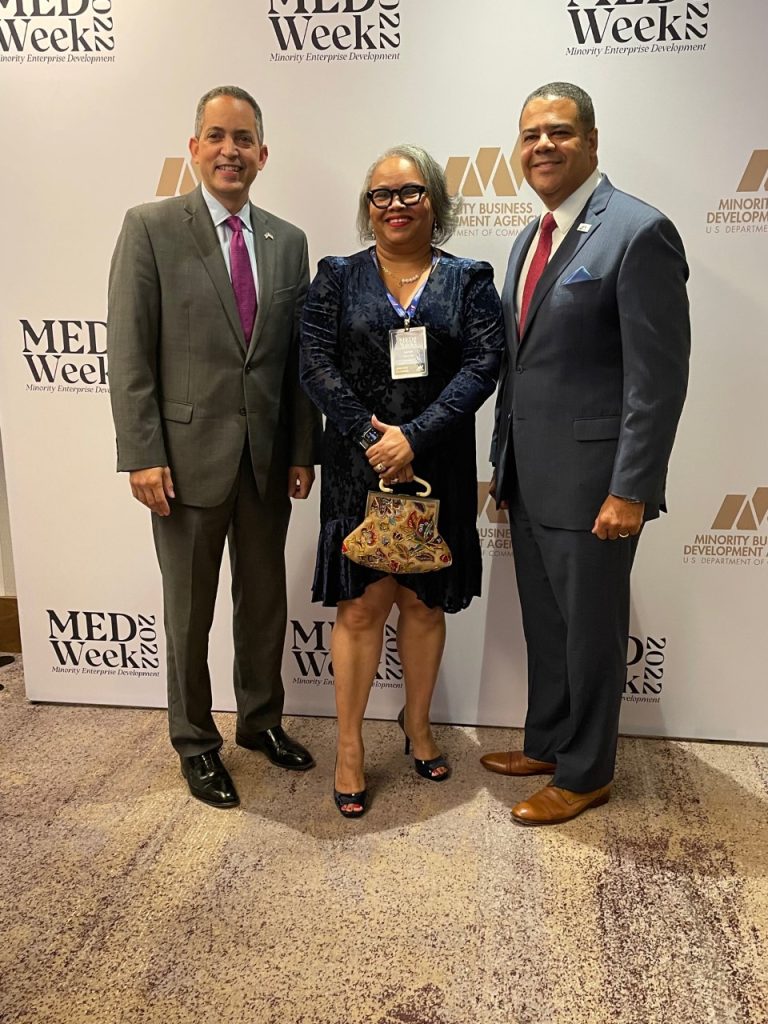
pixel 220 213
pixel 569 210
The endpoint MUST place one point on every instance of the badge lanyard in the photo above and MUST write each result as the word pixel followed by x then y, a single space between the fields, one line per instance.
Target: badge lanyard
pixel 408 345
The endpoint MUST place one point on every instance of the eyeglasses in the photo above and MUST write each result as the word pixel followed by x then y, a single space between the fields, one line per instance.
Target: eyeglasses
pixel 409 195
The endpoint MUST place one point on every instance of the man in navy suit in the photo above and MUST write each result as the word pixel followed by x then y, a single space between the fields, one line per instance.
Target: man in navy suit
pixel 595 375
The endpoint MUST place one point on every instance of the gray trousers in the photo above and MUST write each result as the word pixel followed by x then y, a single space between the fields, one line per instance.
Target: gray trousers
pixel 190 544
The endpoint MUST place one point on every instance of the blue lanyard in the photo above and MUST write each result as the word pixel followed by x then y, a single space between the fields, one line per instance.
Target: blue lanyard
pixel 408 314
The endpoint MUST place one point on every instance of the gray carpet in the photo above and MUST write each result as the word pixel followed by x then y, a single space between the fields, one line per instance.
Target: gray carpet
pixel 124 901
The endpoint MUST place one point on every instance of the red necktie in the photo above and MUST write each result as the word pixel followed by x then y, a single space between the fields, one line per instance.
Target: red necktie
pixel 242 277
pixel 537 267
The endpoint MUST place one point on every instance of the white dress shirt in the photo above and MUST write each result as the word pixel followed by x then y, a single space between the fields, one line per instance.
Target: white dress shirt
pixel 564 215
pixel 219 214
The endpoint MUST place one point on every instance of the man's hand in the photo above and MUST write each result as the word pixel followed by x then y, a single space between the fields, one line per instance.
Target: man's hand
pixel 492 491
pixel 300 480
pixel 152 487
pixel 618 518
pixel 392 455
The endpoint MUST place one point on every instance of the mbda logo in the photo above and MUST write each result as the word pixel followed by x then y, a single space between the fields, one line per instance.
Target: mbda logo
pixel 755 176
pixel 740 213
pixel 177 178
pixel 737 540
pixel 491 174
pixel 490 167
pixel 737 512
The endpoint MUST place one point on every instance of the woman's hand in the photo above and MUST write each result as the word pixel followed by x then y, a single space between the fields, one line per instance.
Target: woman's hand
pixel 392 455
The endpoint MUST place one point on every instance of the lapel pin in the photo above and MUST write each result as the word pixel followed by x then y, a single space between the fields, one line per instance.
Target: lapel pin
pixel 584 227
pixel 268 234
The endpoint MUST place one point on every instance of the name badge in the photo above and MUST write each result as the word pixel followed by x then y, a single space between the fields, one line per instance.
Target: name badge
pixel 408 353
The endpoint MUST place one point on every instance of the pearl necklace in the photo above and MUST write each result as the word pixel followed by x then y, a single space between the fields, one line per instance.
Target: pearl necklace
pixel 405 280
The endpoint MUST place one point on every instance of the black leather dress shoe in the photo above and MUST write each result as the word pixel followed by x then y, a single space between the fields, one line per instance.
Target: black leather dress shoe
pixel 279 748
pixel 209 780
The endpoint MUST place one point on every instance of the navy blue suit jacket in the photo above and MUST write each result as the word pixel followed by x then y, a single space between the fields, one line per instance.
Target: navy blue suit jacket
pixel 590 396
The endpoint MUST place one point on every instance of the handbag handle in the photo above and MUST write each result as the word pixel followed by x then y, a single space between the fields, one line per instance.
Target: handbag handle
pixel 425 493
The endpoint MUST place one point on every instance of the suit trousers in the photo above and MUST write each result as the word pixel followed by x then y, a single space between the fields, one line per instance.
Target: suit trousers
pixel 190 544
pixel 574 596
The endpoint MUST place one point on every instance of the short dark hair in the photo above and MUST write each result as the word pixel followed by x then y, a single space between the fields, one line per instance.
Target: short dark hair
pixel 567 91
pixel 237 94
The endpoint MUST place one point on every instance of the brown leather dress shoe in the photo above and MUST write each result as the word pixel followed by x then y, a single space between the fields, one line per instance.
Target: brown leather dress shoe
pixel 515 762
pixel 552 805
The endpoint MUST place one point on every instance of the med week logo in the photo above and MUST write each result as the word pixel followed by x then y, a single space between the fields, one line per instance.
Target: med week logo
pixel 334 31
pixel 70 356
pixel 102 643
pixel 645 669
pixel 65 356
pixel 56 32
pixel 632 27
pixel 310 647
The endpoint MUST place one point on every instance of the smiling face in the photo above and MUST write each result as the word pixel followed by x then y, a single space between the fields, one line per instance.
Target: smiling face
pixel 557 154
pixel 228 150
pixel 400 227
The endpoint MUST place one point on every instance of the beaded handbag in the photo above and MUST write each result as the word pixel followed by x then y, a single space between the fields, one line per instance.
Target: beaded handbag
pixel 399 533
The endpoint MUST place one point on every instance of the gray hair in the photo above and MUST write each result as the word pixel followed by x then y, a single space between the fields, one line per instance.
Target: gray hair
pixel 237 94
pixel 444 206
pixel 566 91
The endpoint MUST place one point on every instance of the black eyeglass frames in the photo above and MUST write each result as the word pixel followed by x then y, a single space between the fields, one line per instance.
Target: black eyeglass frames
pixel 409 195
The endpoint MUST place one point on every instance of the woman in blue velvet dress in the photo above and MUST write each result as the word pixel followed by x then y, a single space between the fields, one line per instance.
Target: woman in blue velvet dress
pixel 381 424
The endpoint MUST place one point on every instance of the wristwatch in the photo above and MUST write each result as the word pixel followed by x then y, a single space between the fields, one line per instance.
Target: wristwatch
pixel 368 437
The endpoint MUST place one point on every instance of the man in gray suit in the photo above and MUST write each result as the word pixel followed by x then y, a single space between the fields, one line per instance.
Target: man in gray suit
pixel 205 292
pixel 596 371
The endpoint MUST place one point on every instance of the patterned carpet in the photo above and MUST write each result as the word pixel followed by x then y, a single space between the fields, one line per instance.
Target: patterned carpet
pixel 124 901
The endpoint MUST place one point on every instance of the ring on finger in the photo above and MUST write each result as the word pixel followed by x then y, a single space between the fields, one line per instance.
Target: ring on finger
pixel 380 467
pixel 623 535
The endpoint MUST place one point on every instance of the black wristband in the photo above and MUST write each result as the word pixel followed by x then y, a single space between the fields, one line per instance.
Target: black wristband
pixel 368 437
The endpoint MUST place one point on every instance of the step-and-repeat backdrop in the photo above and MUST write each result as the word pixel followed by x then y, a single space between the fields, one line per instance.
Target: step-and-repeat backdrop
pixel 98 104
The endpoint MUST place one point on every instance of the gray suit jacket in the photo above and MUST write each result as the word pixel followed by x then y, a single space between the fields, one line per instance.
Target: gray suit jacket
pixel 590 396
pixel 187 387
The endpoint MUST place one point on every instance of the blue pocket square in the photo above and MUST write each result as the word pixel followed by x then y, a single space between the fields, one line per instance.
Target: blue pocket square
pixel 582 274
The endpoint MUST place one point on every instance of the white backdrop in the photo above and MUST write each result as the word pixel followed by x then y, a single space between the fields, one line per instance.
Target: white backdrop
pixel 99 97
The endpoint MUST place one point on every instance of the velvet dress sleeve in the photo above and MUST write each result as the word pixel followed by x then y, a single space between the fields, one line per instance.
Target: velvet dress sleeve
pixel 319 371
pixel 482 327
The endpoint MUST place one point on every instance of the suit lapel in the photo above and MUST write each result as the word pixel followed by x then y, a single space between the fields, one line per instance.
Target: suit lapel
pixel 207 242
pixel 570 247
pixel 516 260
pixel 266 257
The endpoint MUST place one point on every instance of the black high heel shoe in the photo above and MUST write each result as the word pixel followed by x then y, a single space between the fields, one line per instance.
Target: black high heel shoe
pixel 342 800
pixel 424 768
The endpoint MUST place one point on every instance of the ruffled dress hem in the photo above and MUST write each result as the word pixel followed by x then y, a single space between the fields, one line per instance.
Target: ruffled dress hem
pixel 452 589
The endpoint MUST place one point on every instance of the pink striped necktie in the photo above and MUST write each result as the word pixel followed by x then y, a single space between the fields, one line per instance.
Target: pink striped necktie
pixel 242 277
pixel 537 267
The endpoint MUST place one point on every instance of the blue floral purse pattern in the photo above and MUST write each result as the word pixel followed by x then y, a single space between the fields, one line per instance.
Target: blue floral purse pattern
pixel 399 533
